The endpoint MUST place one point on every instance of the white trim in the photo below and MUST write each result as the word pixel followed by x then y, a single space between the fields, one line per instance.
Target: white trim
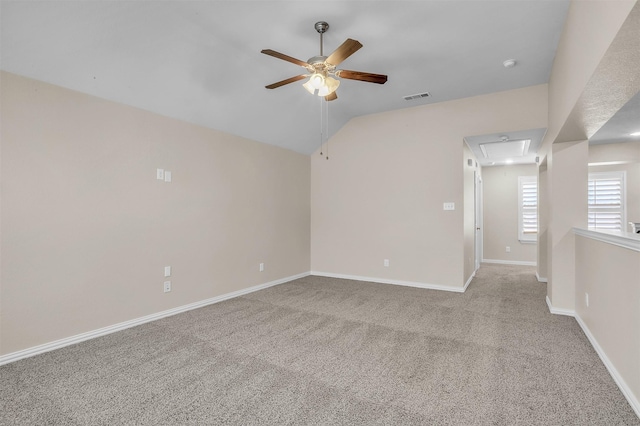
pixel 510 262
pixel 559 311
pixel 621 239
pixel 57 344
pixel 387 281
pixel 609 163
pixel 528 241
pixel 469 281
pixel 540 279
pixel 624 388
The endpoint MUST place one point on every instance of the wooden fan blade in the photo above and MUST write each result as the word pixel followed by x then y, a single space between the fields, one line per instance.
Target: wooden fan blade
pixel 362 76
pixel 284 57
pixel 346 49
pixel 331 96
pixel 287 81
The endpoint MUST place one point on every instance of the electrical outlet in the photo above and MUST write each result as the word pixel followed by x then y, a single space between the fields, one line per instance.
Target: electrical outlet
pixel 262 267
pixel 386 263
pixel 160 174
pixel 448 206
pixel 167 286
pixel 508 249
pixel 586 299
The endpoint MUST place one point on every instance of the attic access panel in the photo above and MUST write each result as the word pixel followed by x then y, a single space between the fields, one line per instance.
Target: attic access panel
pixel 505 149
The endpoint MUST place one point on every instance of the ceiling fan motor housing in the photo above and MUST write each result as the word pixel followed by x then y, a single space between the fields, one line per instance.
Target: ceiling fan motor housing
pixel 316 60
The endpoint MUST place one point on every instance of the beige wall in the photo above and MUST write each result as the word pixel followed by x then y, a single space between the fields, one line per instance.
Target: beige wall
pixel 87 228
pixel 500 202
pixel 381 194
pixel 568 208
pixel 590 29
pixel 609 274
pixel 629 154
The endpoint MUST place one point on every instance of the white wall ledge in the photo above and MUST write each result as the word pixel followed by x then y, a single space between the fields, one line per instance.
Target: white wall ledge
pixel 627 240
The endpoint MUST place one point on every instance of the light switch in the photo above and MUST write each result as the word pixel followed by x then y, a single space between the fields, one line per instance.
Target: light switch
pixel 167 176
pixel 449 206
pixel 167 271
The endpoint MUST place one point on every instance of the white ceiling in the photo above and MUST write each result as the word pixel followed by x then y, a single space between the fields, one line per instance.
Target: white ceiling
pixel 200 61
pixel 620 127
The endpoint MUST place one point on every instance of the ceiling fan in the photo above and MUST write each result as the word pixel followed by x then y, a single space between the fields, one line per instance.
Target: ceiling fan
pixel 322 68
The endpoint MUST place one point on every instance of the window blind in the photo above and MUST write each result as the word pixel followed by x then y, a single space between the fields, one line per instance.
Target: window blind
pixel 606 201
pixel 527 208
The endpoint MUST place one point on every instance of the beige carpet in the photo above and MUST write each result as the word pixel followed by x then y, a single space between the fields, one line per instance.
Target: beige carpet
pixel 328 351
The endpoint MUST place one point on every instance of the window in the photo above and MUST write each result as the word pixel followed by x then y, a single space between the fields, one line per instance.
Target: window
pixel 607 201
pixel 527 208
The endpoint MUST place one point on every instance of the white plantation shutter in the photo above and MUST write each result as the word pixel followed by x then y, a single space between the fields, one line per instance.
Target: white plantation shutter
pixel 527 208
pixel 606 201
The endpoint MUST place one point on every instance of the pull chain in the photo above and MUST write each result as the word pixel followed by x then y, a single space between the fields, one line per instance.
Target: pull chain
pixel 324 125
pixel 321 129
pixel 327 132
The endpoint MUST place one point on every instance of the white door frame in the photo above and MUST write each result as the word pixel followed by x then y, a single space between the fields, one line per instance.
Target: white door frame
pixel 478 217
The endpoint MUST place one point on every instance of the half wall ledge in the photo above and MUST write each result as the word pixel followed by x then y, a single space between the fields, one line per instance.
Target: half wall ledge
pixel 626 240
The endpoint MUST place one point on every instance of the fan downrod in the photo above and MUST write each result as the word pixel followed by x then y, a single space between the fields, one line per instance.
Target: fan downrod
pixel 321 27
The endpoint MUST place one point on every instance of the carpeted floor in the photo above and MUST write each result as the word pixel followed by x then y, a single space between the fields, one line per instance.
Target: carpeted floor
pixel 328 351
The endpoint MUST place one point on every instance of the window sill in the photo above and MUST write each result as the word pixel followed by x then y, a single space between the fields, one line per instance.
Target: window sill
pixel 528 241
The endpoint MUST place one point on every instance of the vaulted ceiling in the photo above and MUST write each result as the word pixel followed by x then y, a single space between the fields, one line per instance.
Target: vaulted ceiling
pixel 200 61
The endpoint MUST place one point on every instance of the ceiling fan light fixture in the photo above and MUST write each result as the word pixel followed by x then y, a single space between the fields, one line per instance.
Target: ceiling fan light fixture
pixel 323 91
pixel 317 81
pixel 330 86
pixel 309 87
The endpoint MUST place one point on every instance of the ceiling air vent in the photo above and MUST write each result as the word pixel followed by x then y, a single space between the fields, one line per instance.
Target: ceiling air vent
pixel 416 96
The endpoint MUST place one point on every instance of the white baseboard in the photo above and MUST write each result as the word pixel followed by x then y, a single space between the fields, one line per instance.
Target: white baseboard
pixel 624 388
pixel 559 311
pixel 509 262
pixel 540 279
pixel 469 281
pixel 394 282
pixel 36 350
